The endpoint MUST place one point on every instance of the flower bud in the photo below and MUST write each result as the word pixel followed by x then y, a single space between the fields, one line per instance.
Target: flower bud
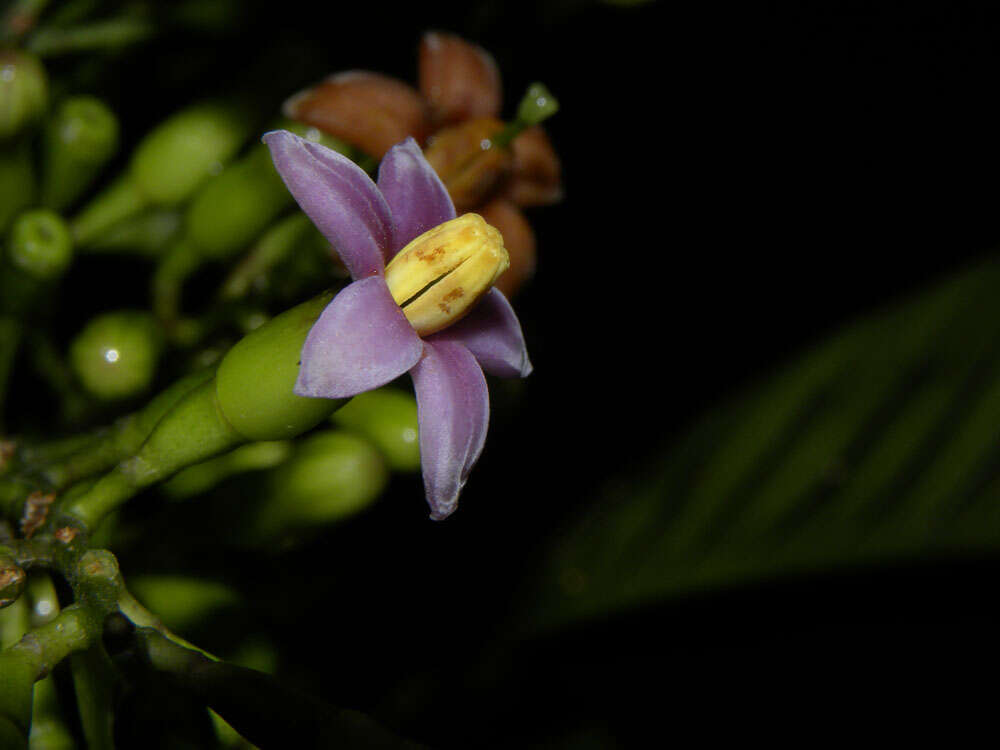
pixel 368 110
pixel 23 91
pixel 441 274
pixel 467 160
pixel 538 104
pixel 518 239
pixel 115 354
pixel 79 141
pixel 458 79
pixel 40 244
pixel 536 174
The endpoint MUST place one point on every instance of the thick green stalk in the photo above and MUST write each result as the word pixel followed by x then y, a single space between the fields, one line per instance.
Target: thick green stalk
pixel 100 451
pixel 251 398
pixel 48 730
pixel 195 430
pixel 94 679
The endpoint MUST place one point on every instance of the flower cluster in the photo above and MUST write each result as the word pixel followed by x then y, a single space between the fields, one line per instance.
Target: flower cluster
pixel 453 114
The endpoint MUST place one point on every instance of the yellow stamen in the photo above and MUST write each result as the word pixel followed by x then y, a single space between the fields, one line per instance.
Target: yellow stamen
pixel 441 274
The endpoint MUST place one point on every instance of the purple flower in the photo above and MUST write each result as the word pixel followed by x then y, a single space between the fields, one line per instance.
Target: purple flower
pixel 363 339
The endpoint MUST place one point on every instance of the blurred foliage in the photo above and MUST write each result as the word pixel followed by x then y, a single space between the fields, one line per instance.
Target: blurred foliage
pixel 880 444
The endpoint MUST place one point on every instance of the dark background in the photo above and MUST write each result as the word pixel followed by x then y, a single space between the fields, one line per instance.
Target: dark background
pixel 740 181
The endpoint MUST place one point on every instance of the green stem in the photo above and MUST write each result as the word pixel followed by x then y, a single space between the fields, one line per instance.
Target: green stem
pixel 147 235
pixel 537 105
pixel 120 201
pixel 195 431
pixel 50 364
pixel 174 268
pixel 45 646
pixel 48 730
pixel 94 679
pixel 123 439
pixel 272 248
pixel 17 180
pixel 100 35
pixel 143 618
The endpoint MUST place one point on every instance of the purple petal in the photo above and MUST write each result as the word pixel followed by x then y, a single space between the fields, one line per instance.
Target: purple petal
pixel 453 411
pixel 416 195
pixel 493 334
pixel 342 201
pixel 362 340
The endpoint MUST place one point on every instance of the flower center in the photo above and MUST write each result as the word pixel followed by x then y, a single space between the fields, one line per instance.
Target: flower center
pixel 439 276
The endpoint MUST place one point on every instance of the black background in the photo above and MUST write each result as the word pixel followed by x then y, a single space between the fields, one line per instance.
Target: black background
pixel 740 180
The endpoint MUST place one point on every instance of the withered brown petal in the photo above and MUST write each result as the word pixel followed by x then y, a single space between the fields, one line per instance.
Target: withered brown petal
pixel 536 178
pixel 368 110
pixel 459 80
pixel 470 172
pixel 518 238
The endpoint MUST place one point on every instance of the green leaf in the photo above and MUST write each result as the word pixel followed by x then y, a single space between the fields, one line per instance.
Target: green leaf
pixel 882 444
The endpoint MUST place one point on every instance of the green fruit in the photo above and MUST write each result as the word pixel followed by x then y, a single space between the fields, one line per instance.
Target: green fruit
pixel 186 149
pixel 115 355
pixel 388 418
pixel 23 91
pixel 40 244
pixel 79 141
pixel 332 475
pixel 232 209
pixel 255 379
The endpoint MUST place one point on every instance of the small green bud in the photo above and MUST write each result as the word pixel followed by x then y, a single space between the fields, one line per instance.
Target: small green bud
pixel 331 475
pixel 115 354
pixel 177 156
pixel 388 418
pixel 233 208
pixel 538 104
pixel 79 141
pixel 182 603
pixel 255 379
pixel 23 91
pixel 40 244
